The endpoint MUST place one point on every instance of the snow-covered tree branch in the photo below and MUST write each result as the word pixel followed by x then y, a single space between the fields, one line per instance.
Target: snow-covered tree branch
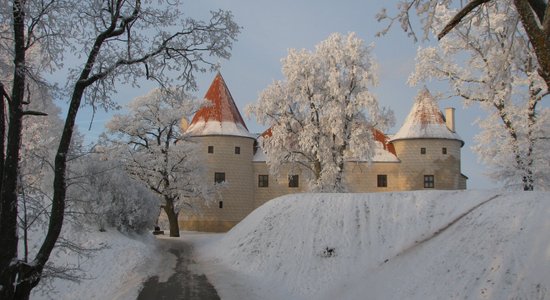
pixel 118 41
pixel 490 61
pixel 533 15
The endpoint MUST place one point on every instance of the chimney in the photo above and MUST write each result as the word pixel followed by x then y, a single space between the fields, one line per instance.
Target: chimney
pixel 450 118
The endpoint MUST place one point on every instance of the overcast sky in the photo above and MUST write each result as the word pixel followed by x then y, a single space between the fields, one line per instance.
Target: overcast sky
pixel 270 28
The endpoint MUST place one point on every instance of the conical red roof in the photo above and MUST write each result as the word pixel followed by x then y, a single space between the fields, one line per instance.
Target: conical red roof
pixel 425 120
pixel 220 116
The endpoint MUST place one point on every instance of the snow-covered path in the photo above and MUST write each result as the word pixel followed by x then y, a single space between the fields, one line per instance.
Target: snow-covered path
pixel 185 282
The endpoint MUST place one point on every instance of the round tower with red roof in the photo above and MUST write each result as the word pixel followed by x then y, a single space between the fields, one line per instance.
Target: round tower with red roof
pixel 429 147
pixel 228 150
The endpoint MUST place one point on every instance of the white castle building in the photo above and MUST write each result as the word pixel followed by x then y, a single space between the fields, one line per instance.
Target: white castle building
pixel 423 154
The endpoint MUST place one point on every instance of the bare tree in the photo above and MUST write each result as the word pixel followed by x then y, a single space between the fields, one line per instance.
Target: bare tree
pixel 119 41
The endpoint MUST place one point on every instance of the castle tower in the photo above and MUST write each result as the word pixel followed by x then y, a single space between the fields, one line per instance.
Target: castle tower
pixel 228 149
pixel 429 148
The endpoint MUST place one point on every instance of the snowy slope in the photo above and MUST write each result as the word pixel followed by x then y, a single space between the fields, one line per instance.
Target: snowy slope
pixel 411 245
pixel 114 272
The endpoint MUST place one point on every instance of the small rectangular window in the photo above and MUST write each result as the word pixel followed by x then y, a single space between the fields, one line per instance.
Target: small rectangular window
pixel 429 181
pixel 220 204
pixel 210 149
pixel 263 180
pixel 444 150
pixel 219 177
pixel 293 181
pixel 237 150
pixel 382 181
pixel 422 150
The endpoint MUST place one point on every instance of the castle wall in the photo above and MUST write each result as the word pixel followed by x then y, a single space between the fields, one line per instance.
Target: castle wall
pixel 362 177
pixel 236 197
pixel 278 186
pixel 243 191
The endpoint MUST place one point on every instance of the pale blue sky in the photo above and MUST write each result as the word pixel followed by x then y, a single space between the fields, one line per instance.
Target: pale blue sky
pixel 270 28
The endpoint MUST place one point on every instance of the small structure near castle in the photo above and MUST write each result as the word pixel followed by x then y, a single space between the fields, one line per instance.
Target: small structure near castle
pixel 423 154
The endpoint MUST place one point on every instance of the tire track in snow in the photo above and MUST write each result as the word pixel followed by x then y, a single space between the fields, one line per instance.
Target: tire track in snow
pixel 440 230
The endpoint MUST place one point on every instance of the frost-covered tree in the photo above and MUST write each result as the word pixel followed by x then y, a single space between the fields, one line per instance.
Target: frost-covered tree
pixel 155 151
pixel 534 16
pixel 323 112
pixel 489 61
pixel 107 197
pixel 117 41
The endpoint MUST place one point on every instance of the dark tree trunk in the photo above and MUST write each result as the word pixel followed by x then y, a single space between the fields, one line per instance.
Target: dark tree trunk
pixel 539 37
pixel 8 194
pixel 2 133
pixel 31 276
pixel 172 218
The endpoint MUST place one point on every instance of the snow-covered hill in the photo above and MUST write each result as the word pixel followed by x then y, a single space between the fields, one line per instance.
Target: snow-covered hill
pixel 411 245
pixel 114 272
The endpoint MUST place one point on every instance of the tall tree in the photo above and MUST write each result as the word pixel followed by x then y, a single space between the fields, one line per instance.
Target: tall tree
pixel 155 151
pixel 119 41
pixel 323 112
pixel 534 16
pixel 489 60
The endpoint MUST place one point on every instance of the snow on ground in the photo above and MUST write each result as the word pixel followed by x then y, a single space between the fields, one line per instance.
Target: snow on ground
pixel 409 245
pixel 114 272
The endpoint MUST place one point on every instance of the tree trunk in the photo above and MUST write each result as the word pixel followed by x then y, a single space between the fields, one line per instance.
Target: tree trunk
pixel 537 36
pixel 29 278
pixel 2 133
pixel 32 276
pixel 8 194
pixel 172 218
pixel 339 186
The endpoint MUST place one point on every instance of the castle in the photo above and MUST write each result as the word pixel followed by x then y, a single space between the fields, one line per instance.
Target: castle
pixel 423 154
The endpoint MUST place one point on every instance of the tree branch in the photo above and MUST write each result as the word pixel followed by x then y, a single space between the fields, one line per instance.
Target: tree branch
pixel 539 7
pixel 34 113
pixel 459 16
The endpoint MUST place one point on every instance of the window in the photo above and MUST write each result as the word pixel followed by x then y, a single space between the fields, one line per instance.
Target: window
pixel 219 177
pixel 220 204
pixel 293 181
pixel 237 150
pixel 429 181
pixel 444 150
pixel 210 149
pixel 382 181
pixel 422 150
pixel 263 180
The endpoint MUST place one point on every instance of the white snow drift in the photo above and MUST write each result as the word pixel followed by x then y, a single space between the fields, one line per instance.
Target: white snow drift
pixel 411 245
pixel 114 272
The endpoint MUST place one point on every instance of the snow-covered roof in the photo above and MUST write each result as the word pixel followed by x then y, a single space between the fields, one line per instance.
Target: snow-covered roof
pixel 220 116
pixel 259 156
pixel 384 151
pixel 425 121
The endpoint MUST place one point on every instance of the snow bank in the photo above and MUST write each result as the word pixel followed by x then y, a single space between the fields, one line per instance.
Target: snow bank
pixel 111 273
pixel 410 245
